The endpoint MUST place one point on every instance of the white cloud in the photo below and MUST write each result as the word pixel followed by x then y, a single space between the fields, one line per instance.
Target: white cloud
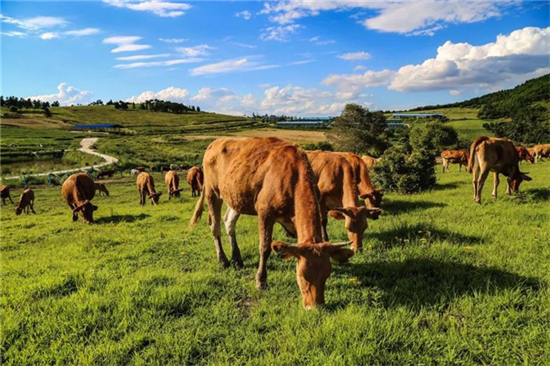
pixel 35 23
pixel 317 41
pixel 135 65
pixel 66 95
pixel 217 96
pixel 245 14
pixel 354 56
pixel 200 50
pixel 279 33
pixel 359 68
pixel 14 34
pixel 169 94
pixel 49 35
pixel 173 40
pixel 249 100
pixel 158 7
pixel 125 44
pixel 455 92
pixel 233 65
pixel 142 57
pixel 349 86
pixel 82 32
pixel 244 45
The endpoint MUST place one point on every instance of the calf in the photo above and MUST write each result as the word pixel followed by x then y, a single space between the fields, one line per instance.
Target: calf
pixel 524 154
pixel 101 188
pixel 459 157
pixel 26 201
pixel 78 190
pixel 106 173
pixel 172 181
pixel 370 161
pixel 5 193
pixel 195 178
pixel 541 151
pixel 146 188
pixel 497 155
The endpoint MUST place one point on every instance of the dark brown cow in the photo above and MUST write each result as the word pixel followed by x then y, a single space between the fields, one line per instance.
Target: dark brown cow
pixel 139 169
pixel 497 155
pixel 146 188
pixel 370 161
pixel 26 201
pixel 78 190
pixel 5 193
pixel 524 154
pixel 164 169
pixel 459 157
pixel 101 188
pixel 106 173
pixel 541 151
pixel 272 179
pixel 195 178
pixel 172 181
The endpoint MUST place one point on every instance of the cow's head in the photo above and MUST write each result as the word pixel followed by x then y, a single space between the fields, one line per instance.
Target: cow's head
pixel 373 200
pixel 18 211
pixel 517 179
pixel 155 198
pixel 86 210
pixel 356 221
pixel 176 193
pixel 530 158
pixel 313 267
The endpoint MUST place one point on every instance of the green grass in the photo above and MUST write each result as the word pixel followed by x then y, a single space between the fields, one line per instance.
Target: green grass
pixel 441 281
pixel 19 139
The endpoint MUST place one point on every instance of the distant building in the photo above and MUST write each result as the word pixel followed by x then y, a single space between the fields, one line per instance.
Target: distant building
pixel 418 115
pixel 98 127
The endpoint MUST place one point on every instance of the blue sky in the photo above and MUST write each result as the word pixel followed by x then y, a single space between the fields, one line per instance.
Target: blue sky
pixel 294 57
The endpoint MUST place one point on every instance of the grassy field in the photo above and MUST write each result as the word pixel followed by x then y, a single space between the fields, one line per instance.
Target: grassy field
pixel 441 281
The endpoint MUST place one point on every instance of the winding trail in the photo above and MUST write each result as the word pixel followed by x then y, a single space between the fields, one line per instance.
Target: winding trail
pixel 85 147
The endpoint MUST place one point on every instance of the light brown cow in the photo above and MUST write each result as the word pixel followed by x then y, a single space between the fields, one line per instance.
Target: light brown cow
pixel 195 178
pixel 146 188
pixel 78 190
pixel 272 179
pixel 524 154
pixel 367 192
pixel 172 181
pixel 26 201
pixel 497 155
pixel 101 188
pixel 541 151
pixel 459 157
pixel 5 193
pixel 370 161
pixel 338 195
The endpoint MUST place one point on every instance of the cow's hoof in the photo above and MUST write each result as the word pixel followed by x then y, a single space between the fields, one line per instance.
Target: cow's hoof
pixel 238 265
pixel 225 264
pixel 261 286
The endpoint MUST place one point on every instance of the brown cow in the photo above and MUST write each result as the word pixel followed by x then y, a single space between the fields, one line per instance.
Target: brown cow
pixel 459 157
pixel 101 188
pixel 78 190
pixel 146 188
pixel 172 181
pixel 497 155
pixel 195 178
pixel 338 195
pixel 272 179
pixel 26 201
pixel 5 193
pixel 106 173
pixel 370 161
pixel 541 151
pixel 524 154
pixel 367 192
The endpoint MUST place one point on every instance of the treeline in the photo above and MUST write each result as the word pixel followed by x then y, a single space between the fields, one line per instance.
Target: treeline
pixel 28 103
pixel 153 105
pixel 530 125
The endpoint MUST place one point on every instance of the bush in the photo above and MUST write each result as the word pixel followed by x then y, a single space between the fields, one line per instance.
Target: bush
pixel 433 137
pixel 322 145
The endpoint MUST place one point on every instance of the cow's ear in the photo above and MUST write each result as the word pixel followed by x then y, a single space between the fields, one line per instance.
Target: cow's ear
pixel 285 250
pixel 80 207
pixel 94 207
pixel 526 177
pixel 364 196
pixel 339 212
pixel 337 215
pixel 338 253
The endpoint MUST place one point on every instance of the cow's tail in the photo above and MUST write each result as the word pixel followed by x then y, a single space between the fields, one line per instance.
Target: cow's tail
pixel 199 208
pixel 477 141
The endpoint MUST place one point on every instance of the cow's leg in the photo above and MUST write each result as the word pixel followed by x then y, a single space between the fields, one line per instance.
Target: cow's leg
pixel 75 215
pixel 10 199
pixel 265 225
pixel 32 206
pixel 324 219
pixel 475 178
pixel 230 219
pixel 459 167
pixel 215 212
pixel 142 198
pixel 509 186
pixel 484 172
pixel 496 181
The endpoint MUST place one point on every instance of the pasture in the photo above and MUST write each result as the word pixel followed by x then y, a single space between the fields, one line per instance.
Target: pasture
pixel 440 281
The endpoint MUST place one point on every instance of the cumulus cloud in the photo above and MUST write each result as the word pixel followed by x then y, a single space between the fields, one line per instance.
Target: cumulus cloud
pixel 279 33
pixel 216 96
pixel 172 94
pixel 66 95
pixel 167 9
pixel 355 56
pixel 349 86
pixel 245 14
pixel 126 44
pixel 200 50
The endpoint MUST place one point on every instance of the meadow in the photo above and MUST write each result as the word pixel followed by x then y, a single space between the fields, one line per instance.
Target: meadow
pixel 440 281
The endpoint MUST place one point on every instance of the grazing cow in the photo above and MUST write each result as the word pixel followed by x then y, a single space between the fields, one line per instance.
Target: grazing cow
pixel 524 154
pixel 185 166
pixel 135 172
pixel 106 173
pixel 146 188
pixel 153 169
pixel 338 195
pixel 195 178
pixel 140 169
pixel 272 179
pixel 370 161
pixel 172 181
pixel 26 201
pixel 78 190
pixel 497 155
pixel 101 188
pixel 174 167
pixel 5 193
pixel 541 151
pixel 459 157
pixel 164 169
pixel 367 192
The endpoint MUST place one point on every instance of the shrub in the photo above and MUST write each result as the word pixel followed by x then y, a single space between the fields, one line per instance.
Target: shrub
pixel 322 145
pixel 433 137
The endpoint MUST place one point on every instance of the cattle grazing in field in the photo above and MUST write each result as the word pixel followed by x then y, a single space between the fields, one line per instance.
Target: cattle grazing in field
pixel 497 155
pixel 195 178
pixel 541 151
pixel 26 201
pixel 174 167
pixel 78 190
pixel 146 188
pixel 338 195
pixel 164 169
pixel 106 173
pixel 370 161
pixel 272 179
pixel 5 193
pixel 459 157
pixel 135 172
pixel 185 166
pixel 101 188
pixel 524 154
pixel 172 181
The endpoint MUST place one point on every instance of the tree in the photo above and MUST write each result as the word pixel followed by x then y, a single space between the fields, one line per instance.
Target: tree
pixel 433 137
pixel 55 104
pixel 359 130
pixel 198 109
pixel 47 112
pixel 14 109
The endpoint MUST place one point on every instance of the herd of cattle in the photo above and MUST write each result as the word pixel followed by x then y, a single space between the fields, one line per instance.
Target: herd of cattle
pixel 280 183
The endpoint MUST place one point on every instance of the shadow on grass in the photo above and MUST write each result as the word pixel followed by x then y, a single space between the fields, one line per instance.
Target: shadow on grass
pixel 121 218
pixel 424 282
pixel 395 207
pixel 445 186
pixel 538 194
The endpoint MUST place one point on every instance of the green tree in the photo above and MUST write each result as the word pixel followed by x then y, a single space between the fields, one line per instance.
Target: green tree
pixel 47 112
pixel 433 137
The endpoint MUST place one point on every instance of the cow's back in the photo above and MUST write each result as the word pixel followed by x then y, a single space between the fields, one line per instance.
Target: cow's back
pixel 171 178
pixel 78 187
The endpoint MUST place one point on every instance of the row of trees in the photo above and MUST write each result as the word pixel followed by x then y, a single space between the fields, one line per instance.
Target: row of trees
pixel 22 103
pixel 153 105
